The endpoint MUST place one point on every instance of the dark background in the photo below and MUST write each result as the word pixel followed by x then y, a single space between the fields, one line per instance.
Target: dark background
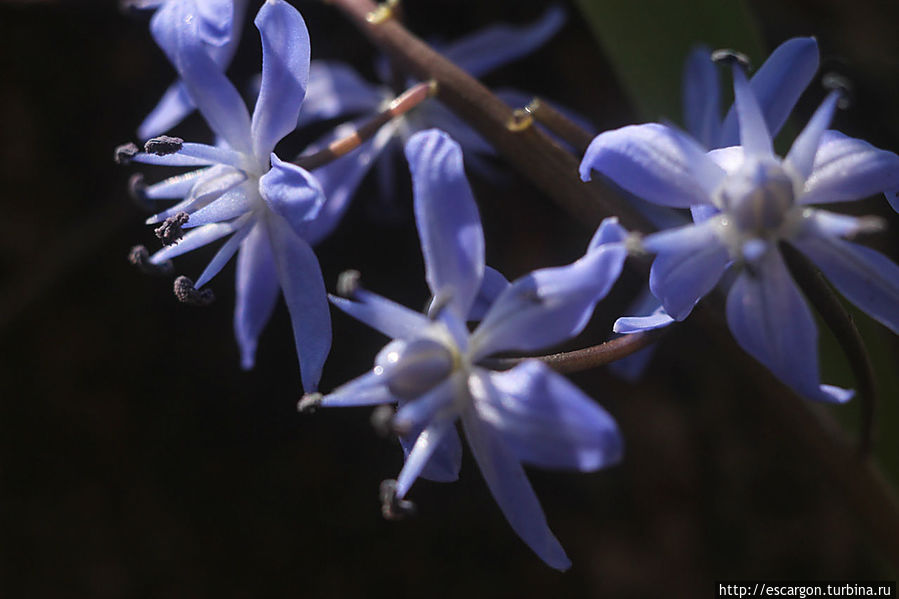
pixel 138 460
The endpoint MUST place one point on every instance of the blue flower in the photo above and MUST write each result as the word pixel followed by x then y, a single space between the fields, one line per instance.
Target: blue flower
pixel 219 24
pixel 267 208
pixel 337 91
pixel 777 84
pixel 435 370
pixel 756 200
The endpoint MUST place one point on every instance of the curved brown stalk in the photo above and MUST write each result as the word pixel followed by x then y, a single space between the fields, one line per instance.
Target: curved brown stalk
pixel 588 357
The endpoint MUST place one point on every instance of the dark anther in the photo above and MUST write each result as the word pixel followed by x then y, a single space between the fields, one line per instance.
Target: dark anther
pixel 188 294
pixel 169 231
pixel 840 84
pixel 137 189
pixel 728 56
pixel 309 403
pixel 163 145
pixel 140 257
pixel 125 152
pixel 348 283
pixel 382 420
pixel 392 507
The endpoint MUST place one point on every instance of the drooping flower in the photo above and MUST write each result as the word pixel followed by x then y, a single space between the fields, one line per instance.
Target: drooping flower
pixel 266 208
pixel 756 200
pixel 337 91
pixel 436 371
pixel 219 25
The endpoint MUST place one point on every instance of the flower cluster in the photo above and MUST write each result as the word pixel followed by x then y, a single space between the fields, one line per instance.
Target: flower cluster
pixel 452 364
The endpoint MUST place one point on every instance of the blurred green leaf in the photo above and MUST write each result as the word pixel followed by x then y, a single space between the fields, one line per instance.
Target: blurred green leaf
pixel 646 41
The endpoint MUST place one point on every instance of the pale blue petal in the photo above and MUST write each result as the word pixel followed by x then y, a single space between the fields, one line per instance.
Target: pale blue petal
pixel 702 213
pixel 216 20
pixel 187 205
pixel 511 489
pixel 702 97
pixel 223 256
pixel 422 451
pixel 777 85
pixel 429 421
pixel 307 301
pixel 832 224
pixel 492 285
pixel 730 159
pixel 285 71
pixel 849 169
pixel 866 277
pixel 176 159
pixel 754 135
pixel 336 90
pixel 657 163
pixel 230 204
pixel 171 109
pixel 489 48
pixel 292 192
pixel 893 198
pixel 212 154
pixel 415 414
pixel 770 320
pixel 689 264
pixel 256 292
pixel 802 155
pixel 208 187
pixel 649 315
pixel 178 186
pixel 637 324
pixel 175 27
pixel 608 231
pixel 545 420
pixel 382 314
pixel 198 238
pixel 548 305
pixel 452 240
pixel 366 390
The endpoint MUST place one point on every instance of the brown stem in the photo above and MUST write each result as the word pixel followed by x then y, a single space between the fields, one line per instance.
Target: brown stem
pixel 589 357
pixel 402 104
pixel 560 124
pixel 840 322
pixel 550 167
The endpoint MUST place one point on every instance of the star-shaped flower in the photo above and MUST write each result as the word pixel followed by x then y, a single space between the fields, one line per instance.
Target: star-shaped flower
pixel 777 84
pixel 756 200
pixel 219 26
pixel 437 372
pixel 267 208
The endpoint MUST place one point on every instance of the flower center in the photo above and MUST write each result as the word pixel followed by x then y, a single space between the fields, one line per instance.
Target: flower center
pixel 414 367
pixel 758 197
